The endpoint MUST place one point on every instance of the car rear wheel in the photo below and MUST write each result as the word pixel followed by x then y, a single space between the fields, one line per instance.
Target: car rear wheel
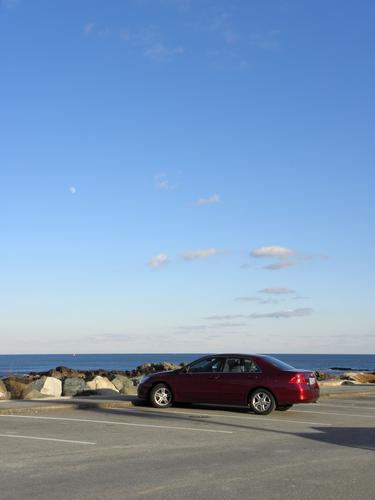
pixel 262 402
pixel 283 407
pixel 161 396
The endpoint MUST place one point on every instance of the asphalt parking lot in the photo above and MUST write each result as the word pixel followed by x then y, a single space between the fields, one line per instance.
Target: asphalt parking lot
pixel 320 451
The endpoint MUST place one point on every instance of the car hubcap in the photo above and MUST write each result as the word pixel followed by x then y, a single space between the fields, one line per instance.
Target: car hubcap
pixel 163 396
pixel 261 401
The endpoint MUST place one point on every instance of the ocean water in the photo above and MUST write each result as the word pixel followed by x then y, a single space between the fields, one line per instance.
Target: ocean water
pixel 24 363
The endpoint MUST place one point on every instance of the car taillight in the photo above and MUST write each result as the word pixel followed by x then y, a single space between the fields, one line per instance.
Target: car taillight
pixel 299 378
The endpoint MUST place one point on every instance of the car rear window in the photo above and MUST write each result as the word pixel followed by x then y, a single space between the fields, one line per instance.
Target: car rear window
pixel 278 363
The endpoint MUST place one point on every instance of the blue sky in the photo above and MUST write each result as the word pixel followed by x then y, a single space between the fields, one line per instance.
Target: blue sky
pixel 187 176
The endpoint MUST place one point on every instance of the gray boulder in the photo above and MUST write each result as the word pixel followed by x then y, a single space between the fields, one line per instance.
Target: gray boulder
pixel 136 380
pixel 73 386
pixel 4 394
pixel 47 386
pixel 361 377
pixel 100 383
pixel 124 384
pixel 15 386
pixel 33 394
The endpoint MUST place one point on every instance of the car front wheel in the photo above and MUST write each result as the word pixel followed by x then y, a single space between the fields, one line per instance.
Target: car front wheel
pixel 161 396
pixel 262 402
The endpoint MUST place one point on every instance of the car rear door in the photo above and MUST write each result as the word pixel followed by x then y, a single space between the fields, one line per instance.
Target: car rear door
pixel 237 379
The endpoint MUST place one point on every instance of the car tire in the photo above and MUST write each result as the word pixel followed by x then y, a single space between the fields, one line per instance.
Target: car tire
pixel 262 402
pixel 161 396
pixel 283 407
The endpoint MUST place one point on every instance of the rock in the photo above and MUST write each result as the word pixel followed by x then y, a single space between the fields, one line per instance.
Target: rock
pixel 91 374
pixel 15 386
pixel 109 393
pixel 47 386
pixel 62 372
pixel 340 368
pixel 155 367
pixel 34 394
pixel 361 377
pixel 124 385
pixel 73 386
pixel 100 382
pixel 330 383
pixel 326 376
pixel 136 380
pixel 4 394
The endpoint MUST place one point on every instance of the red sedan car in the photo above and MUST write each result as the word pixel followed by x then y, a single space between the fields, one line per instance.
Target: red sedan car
pixel 261 382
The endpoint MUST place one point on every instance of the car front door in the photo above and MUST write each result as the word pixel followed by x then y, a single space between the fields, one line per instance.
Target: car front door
pixel 199 382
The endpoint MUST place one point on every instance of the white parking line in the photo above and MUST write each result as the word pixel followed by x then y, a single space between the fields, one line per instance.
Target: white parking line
pixel 334 413
pixel 248 418
pixel 110 422
pixel 17 436
pixel 364 407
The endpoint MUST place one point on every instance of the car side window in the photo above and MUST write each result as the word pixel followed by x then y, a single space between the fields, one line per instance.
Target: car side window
pixel 240 365
pixel 207 365
pixel 251 366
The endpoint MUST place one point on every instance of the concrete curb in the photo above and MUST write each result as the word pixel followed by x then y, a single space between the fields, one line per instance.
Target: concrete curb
pixel 33 409
pixel 15 407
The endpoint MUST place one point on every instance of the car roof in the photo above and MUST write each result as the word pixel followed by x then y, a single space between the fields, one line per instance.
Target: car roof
pixel 235 354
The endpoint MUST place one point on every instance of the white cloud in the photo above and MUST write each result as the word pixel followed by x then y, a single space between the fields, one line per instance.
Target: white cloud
pixel 230 36
pixel 218 22
pixel 8 4
pixel 200 254
pixel 218 317
pixel 212 326
pixel 142 38
pixel 247 298
pixel 162 183
pixel 181 5
pixel 280 255
pixel 159 52
pixel 269 301
pixel 272 251
pixel 267 41
pixel 228 324
pixel 89 28
pixel 289 313
pixel 211 200
pixel 279 265
pixel 72 190
pixel 277 291
pixel 190 328
pixel 158 261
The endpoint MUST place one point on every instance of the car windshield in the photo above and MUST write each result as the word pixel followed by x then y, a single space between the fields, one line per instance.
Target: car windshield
pixel 278 363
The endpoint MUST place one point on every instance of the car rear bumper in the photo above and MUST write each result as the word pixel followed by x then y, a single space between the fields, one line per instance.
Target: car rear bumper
pixel 299 394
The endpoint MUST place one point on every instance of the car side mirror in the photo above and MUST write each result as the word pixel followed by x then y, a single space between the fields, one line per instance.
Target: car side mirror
pixel 184 369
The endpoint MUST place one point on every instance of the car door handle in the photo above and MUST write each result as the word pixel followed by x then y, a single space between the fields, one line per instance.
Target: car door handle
pixel 214 377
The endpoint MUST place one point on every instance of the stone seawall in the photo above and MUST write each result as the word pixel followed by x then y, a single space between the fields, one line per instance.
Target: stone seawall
pixel 63 381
